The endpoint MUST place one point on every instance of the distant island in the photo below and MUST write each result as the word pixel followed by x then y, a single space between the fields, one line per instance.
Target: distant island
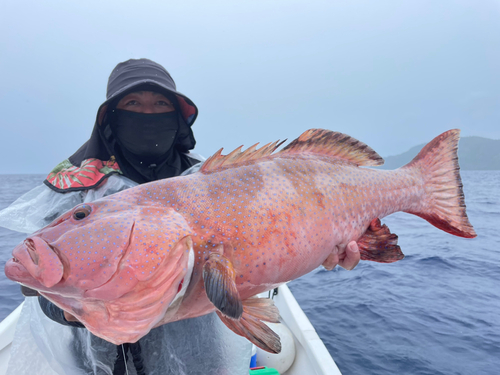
pixel 474 153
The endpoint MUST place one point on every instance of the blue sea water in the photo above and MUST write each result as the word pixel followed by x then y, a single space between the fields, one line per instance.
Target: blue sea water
pixel 435 312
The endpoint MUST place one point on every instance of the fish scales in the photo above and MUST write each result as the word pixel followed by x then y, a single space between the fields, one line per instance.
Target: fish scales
pixel 246 223
pixel 264 212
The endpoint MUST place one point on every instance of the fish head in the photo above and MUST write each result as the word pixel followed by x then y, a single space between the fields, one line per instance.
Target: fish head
pixel 72 254
pixel 117 267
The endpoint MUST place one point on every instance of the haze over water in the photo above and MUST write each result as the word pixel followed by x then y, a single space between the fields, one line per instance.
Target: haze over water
pixel 392 74
pixel 435 312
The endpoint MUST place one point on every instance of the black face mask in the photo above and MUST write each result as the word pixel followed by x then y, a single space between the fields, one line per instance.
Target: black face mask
pixel 144 134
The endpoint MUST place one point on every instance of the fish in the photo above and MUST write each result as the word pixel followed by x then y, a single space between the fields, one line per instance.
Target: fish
pixel 245 223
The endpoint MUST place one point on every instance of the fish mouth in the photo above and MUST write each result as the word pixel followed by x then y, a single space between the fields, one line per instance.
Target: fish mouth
pixel 35 264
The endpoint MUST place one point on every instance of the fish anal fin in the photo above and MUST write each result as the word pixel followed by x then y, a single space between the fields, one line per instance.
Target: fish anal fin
pixel 218 279
pixel 250 325
pixel 262 309
pixel 378 244
pixel 334 144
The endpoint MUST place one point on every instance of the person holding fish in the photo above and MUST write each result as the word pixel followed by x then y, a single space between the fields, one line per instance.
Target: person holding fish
pixel 142 134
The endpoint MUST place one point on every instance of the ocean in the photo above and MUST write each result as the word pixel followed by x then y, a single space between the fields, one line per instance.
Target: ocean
pixel 435 312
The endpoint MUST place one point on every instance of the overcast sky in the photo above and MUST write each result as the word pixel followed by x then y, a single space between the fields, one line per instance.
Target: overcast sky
pixel 392 74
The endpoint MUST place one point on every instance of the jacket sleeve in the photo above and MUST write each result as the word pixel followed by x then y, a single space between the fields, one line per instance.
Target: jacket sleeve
pixel 196 160
pixel 41 205
pixel 37 208
pixel 55 313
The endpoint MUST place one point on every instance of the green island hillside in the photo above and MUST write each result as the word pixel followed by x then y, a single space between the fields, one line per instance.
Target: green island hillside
pixel 474 153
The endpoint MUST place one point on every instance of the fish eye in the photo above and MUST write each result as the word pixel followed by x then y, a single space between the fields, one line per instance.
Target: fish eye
pixel 82 212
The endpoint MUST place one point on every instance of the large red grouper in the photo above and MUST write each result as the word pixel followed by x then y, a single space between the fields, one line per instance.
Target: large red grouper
pixel 245 223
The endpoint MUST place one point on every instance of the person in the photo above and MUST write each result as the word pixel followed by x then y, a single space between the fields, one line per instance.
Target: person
pixel 142 133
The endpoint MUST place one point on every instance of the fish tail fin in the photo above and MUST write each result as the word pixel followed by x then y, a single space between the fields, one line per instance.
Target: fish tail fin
pixel 444 204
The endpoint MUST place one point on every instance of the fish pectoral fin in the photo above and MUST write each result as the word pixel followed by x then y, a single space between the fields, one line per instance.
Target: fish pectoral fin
pixel 218 278
pixel 378 244
pixel 251 325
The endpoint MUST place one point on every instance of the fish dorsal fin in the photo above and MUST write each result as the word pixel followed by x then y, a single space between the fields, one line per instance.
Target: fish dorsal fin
pixel 217 160
pixel 334 144
pixel 317 141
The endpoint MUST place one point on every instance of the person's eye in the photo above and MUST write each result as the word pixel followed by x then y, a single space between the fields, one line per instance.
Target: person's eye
pixel 164 103
pixel 132 102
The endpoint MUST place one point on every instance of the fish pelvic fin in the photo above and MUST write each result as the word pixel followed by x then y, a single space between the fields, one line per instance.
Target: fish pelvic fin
pixel 378 244
pixel 251 326
pixel 444 204
pixel 218 279
pixel 334 144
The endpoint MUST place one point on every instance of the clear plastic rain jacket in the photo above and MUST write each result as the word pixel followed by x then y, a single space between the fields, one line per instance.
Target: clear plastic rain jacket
pixel 201 345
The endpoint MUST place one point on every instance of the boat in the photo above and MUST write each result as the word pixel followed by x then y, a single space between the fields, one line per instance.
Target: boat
pixel 310 355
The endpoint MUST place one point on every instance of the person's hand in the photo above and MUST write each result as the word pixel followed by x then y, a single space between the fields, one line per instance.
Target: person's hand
pixel 350 257
pixel 346 256
pixel 69 317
